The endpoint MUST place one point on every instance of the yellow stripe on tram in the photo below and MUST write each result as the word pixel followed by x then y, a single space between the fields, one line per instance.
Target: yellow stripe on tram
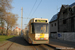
pixel 42 35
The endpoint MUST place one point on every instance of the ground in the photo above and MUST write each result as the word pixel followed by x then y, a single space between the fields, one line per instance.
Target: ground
pixel 19 43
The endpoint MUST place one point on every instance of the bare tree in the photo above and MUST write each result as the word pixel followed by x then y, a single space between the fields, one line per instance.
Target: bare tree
pixel 5 6
pixel 11 20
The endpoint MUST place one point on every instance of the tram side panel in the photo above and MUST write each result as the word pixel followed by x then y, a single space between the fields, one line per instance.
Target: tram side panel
pixel 31 35
pixel 26 34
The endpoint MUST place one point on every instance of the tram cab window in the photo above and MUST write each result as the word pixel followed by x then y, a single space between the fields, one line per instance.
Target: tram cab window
pixel 39 28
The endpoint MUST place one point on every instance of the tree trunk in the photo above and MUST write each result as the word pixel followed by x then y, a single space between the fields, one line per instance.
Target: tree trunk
pixel 2 27
pixel 7 30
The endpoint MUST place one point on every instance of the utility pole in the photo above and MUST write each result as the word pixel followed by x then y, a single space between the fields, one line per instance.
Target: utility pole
pixel 21 17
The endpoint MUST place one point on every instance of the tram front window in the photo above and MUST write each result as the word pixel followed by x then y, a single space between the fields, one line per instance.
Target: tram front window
pixel 40 27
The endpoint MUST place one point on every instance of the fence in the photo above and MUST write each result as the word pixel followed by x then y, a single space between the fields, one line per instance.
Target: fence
pixel 67 36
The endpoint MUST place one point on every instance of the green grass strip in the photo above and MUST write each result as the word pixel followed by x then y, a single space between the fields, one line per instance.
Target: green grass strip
pixel 4 37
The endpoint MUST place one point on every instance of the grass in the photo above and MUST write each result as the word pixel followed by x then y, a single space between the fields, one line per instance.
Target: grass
pixel 4 37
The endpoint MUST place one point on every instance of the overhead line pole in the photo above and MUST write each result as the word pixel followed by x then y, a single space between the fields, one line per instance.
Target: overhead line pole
pixel 21 17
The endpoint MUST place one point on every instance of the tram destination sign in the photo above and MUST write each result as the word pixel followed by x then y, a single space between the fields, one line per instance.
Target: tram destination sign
pixel 40 20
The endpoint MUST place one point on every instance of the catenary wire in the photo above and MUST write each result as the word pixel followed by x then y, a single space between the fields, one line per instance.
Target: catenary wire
pixel 32 9
pixel 36 8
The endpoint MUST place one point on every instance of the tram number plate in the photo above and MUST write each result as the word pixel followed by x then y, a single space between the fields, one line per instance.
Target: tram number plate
pixel 41 38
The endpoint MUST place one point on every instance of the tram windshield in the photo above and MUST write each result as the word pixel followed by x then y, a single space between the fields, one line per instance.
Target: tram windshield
pixel 40 27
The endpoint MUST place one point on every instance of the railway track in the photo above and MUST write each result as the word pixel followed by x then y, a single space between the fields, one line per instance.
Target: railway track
pixel 43 47
pixel 4 44
pixel 33 46
pixel 40 47
pixel 8 44
pixel 12 43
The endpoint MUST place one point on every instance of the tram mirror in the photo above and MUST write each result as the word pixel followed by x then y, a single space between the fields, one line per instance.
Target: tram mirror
pixel 31 23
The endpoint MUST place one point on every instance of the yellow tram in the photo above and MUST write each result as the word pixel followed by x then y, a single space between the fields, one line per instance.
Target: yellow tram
pixel 36 32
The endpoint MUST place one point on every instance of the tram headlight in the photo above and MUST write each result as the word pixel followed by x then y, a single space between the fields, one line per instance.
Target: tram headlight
pixel 37 38
pixel 44 38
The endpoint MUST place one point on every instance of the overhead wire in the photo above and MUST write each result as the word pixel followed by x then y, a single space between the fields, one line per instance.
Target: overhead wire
pixel 32 9
pixel 36 8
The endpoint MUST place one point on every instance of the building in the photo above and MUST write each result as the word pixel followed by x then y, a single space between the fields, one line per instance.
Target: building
pixel 2 29
pixel 53 26
pixel 64 29
pixel 66 23
pixel 66 18
pixel 17 31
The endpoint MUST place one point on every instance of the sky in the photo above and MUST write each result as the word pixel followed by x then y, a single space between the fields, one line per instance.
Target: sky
pixel 37 9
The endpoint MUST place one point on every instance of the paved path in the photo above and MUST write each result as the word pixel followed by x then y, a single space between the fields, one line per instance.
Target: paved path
pixel 18 44
pixel 61 44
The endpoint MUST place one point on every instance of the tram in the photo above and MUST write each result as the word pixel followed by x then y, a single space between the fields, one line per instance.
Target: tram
pixel 36 32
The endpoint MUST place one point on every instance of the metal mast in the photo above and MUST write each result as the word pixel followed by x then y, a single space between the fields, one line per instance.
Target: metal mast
pixel 21 17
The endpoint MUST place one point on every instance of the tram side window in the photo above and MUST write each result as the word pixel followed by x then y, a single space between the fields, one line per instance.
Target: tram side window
pixel 32 27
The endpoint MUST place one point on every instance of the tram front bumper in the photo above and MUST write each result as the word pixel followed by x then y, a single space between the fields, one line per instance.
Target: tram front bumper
pixel 40 42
